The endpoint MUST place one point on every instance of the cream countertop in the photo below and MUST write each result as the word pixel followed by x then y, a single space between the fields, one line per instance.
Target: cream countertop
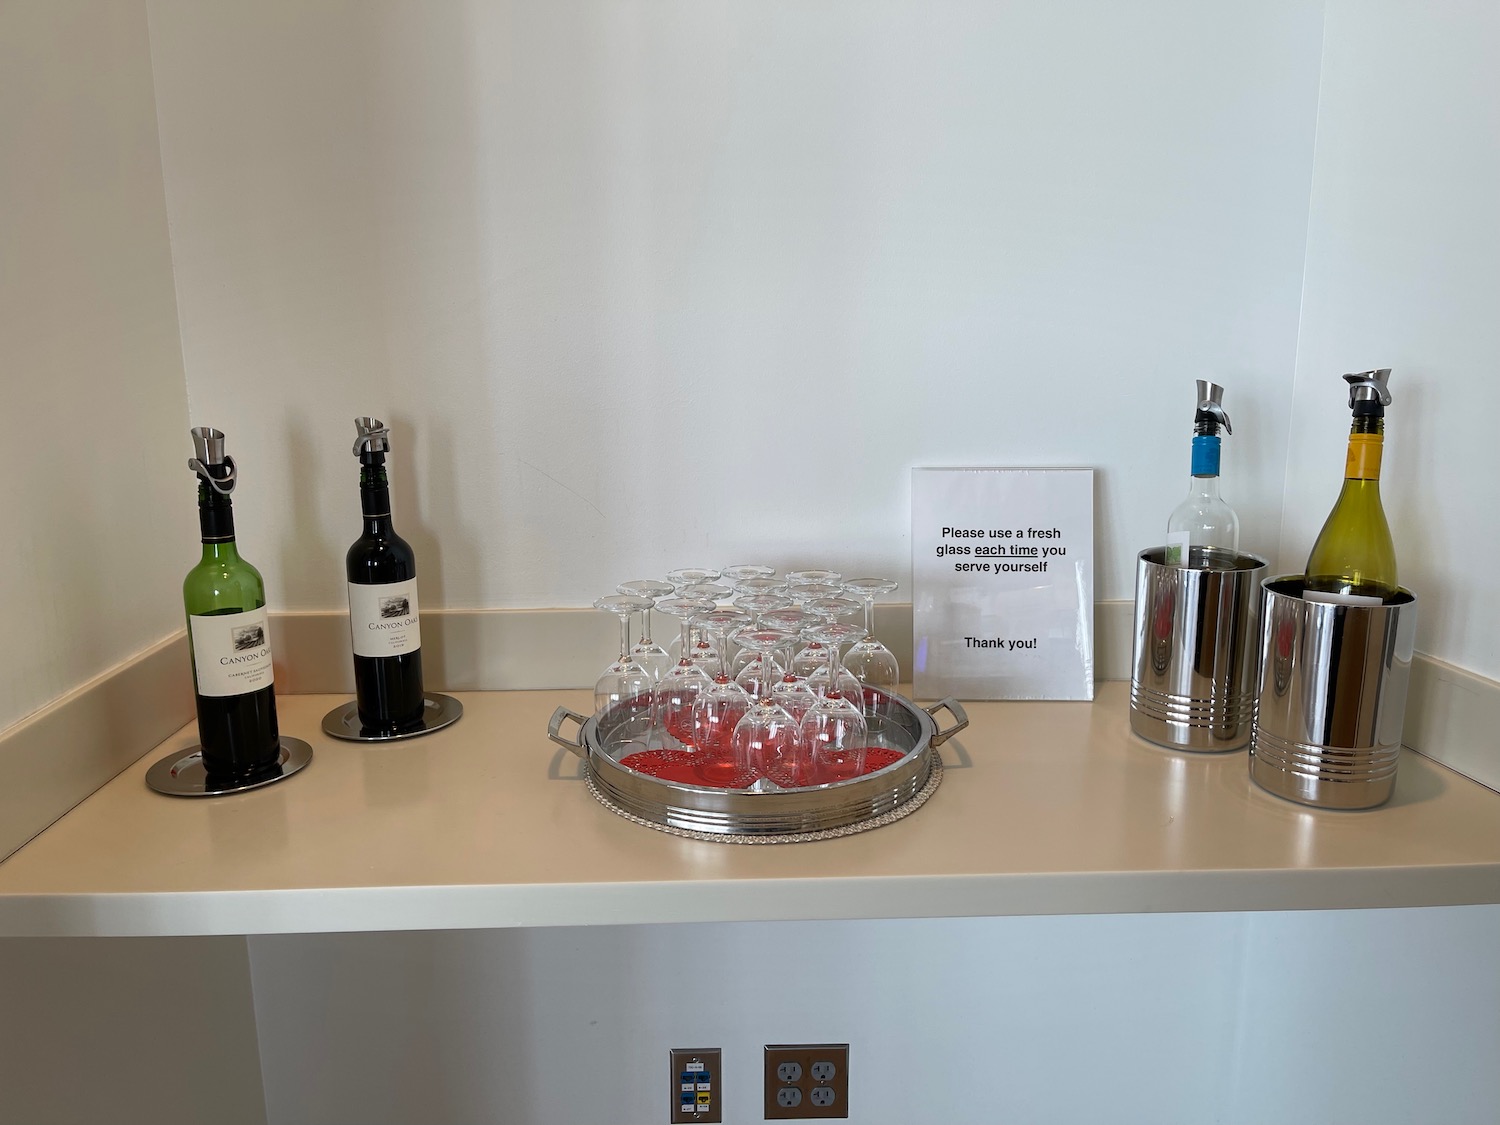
pixel 1046 808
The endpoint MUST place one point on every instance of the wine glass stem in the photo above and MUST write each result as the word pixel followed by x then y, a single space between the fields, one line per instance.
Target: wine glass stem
pixel 763 681
pixel 687 640
pixel 646 626
pixel 624 637
pixel 869 615
pixel 722 637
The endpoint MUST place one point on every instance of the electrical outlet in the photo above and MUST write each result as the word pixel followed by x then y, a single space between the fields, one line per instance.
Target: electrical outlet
pixel 697 1088
pixel 807 1081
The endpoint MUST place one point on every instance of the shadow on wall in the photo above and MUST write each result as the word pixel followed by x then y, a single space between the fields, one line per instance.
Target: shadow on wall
pixel 312 547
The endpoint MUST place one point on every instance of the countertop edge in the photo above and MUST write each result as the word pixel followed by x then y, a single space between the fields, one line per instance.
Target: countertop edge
pixel 366 909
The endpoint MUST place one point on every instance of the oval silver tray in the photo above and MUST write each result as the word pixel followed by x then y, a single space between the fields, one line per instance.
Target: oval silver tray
pixel 895 723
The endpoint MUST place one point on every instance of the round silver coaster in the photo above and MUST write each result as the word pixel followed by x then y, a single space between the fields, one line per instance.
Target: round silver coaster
pixel 181 773
pixel 438 711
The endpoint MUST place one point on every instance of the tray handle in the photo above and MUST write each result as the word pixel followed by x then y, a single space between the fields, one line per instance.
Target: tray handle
pixel 560 716
pixel 954 708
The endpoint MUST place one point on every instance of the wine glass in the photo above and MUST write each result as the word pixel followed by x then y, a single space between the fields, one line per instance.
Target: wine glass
pixel 755 605
pixel 767 742
pixel 737 574
pixel 808 577
pixel 703 650
pixel 689 575
pixel 761 584
pixel 869 660
pixel 791 690
pixel 834 731
pixel 647 652
pixel 718 710
pixel 833 678
pixel 678 690
pixel 814 657
pixel 623 694
pixel 809 590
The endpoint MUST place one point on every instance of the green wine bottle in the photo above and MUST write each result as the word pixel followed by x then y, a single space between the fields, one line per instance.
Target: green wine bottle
pixel 227 631
pixel 1354 560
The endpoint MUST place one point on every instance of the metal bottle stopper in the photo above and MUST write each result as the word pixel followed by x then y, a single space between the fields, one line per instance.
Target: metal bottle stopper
pixel 371 435
pixel 211 463
pixel 1369 386
pixel 1211 406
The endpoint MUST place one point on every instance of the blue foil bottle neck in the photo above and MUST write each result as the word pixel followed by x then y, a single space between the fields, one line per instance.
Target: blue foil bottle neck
pixel 1206 455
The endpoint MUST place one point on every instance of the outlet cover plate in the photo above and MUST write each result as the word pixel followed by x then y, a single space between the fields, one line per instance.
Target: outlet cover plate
pixel 823 1097
pixel 705 1101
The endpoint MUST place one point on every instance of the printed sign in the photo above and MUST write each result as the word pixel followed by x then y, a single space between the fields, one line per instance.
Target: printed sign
pixel 1003 583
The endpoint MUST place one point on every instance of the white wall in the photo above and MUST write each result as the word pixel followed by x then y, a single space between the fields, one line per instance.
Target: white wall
pixel 97 508
pixel 128 1031
pixel 1261 1019
pixel 1403 271
pixel 839 240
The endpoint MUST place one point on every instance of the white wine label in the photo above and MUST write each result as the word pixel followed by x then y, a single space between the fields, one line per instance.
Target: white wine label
pixel 1340 599
pixel 1177 548
pixel 383 619
pixel 231 652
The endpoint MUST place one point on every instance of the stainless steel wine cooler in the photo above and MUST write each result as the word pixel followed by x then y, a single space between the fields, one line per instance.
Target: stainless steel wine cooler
pixel 1332 698
pixel 1192 684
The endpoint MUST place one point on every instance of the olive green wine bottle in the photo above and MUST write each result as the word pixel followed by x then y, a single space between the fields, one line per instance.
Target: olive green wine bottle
pixel 227 630
pixel 1354 559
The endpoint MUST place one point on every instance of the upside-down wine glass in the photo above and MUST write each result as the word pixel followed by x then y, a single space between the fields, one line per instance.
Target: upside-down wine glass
pixel 748 659
pixel 834 732
pixel 833 678
pixel 761 584
pixel 623 694
pixel 813 660
pixel 647 652
pixel 678 690
pixel 792 691
pixel 869 660
pixel 808 577
pixel 812 657
pixel 737 574
pixel 690 575
pixel 719 709
pixel 767 742
pixel 704 653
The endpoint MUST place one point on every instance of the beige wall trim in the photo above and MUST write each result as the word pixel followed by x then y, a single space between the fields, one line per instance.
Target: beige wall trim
pixel 1453 716
pixel 54 758
pixel 538 649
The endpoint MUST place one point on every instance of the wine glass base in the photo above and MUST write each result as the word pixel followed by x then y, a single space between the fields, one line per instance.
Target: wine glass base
pixel 438 711
pixel 181 773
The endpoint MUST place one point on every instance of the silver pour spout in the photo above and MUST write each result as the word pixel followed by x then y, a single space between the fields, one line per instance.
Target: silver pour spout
pixel 1369 385
pixel 371 436
pixel 1211 402
pixel 211 463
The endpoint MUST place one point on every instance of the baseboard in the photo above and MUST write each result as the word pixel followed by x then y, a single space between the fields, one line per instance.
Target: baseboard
pixel 535 649
pixel 53 759
pixel 1453 717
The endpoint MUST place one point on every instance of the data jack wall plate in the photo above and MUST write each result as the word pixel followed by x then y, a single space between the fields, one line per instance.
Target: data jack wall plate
pixel 807 1081
pixel 697 1085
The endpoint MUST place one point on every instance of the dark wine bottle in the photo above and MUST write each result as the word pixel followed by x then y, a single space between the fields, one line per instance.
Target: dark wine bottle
pixel 383 614
pixel 227 630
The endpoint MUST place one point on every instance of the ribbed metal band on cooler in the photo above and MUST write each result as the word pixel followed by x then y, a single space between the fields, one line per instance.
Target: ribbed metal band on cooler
pixel 1333 777
pixel 1226 711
